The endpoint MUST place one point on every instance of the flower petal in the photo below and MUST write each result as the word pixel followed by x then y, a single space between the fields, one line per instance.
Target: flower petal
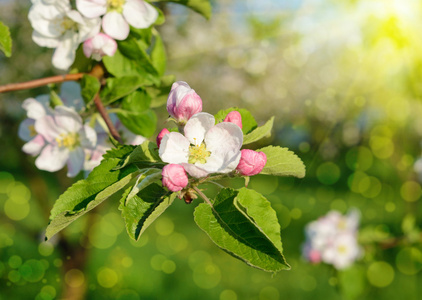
pixel 197 126
pixel 88 137
pixel 64 55
pixel 52 158
pixel 24 131
pixel 34 146
pixel 224 141
pixel 194 171
pixel 67 118
pixel 70 93
pixel 47 127
pixel 75 162
pixel 35 109
pixel 115 25
pixel 44 41
pixel 174 148
pixel 139 14
pixel 92 8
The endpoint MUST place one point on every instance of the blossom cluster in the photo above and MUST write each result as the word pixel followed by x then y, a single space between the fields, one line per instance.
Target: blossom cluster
pixel 57 25
pixel 202 148
pixel 332 239
pixel 60 137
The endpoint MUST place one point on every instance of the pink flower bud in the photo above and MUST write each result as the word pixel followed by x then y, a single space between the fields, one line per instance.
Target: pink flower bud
pixel 234 117
pixel 160 136
pixel 174 177
pixel 183 102
pixel 251 162
pixel 314 256
pixel 99 45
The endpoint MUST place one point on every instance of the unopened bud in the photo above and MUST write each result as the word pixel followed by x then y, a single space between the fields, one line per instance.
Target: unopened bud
pixel 234 117
pixel 251 162
pixel 183 102
pixel 98 46
pixel 160 136
pixel 174 177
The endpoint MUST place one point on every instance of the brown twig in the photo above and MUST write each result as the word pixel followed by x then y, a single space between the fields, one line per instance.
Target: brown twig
pixel 39 82
pixel 103 112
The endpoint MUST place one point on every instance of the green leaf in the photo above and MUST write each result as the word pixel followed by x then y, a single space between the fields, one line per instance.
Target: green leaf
pixel 202 7
pixel 144 156
pixel 5 40
pixel 243 224
pixel 248 121
pixel 158 54
pixel 120 65
pixel 101 184
pixel 144 208
pixel 90 86
pixel 160 94
pixel 117 88
pixel 259 132
pixel 146 177
pixel 282 162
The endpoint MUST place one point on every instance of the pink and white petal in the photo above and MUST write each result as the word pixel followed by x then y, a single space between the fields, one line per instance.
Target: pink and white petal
pixel 41 15
pixel 75 162
pixel 24 131
pixel 67 119
pixel 34 108
pixel 194 170
pixel 34 146
pixel 92 8
pixel 174 148
pixel 139 14
pixel 223 138
pixel 110 46
pixel 88 137
pixel 47 127
pixel 88 29
pixel 222 163
pixel 65 53
pixel 44 41
pixel 52 158
pixel 75 16
pixel 197 126
pixel 115 25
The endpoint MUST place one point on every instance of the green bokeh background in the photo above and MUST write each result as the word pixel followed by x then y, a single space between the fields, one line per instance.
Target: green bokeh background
pixel 344 82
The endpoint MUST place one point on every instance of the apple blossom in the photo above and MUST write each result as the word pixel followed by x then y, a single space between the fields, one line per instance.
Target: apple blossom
pixel 204 148
pixel 160 136
pixel 251 162
pixel 99 46
pixel 234 117
pixel 119 14
pixel 66 139
pixel 56 25
pixel 174 177
pixel 183 102
pixel 333 239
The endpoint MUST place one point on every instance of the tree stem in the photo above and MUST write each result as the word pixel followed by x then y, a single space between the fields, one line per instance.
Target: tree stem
pixel 39 82
pixel 103 112
pixel 202 195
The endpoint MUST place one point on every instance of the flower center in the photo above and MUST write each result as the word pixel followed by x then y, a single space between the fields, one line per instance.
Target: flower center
pixel 70 140
pixel 68 24
pixel 32 131
pixel 116 5
pixel 342 249
pixel 198 154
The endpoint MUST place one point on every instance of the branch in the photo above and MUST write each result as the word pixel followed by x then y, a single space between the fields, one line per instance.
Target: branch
pixel 103 112
pixel 39 82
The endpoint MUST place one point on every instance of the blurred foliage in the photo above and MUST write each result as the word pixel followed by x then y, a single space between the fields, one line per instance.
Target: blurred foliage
pixel 344 82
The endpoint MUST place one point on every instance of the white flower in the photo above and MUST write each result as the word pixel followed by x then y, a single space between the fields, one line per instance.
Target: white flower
pixel 205 148
pixel 56 25
pixel 119 14
pixel 66 138
pixel 342 252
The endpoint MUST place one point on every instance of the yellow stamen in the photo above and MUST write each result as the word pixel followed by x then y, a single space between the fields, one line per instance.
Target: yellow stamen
pixel 70 141
pixel 198 154
pixel 32 131
pixel 115 5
